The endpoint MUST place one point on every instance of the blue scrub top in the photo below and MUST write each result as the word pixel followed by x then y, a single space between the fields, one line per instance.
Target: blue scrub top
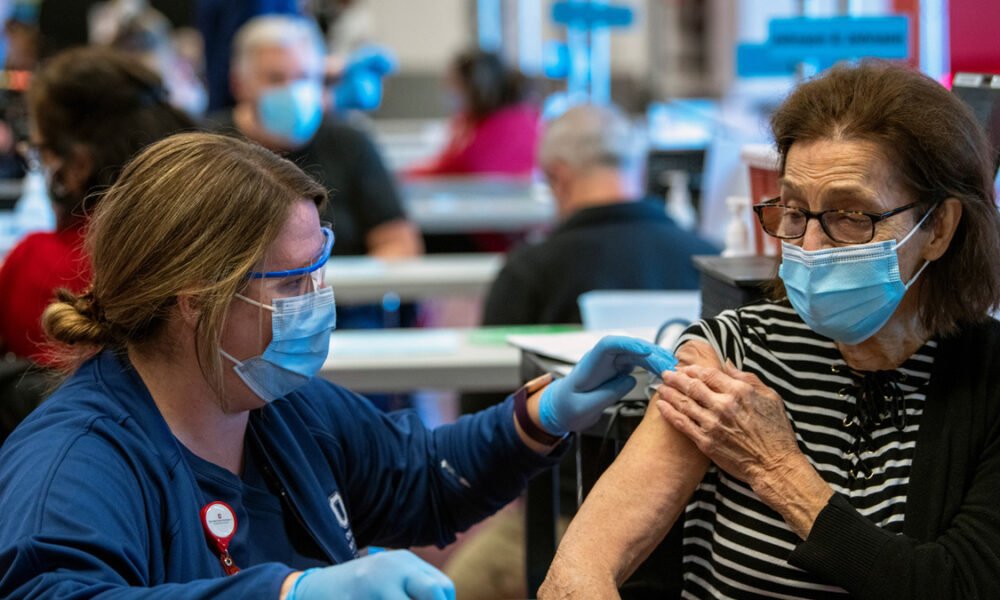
pixel 268 529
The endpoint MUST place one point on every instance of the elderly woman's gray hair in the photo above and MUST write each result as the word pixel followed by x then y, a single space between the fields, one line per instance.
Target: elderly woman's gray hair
pixel 592 136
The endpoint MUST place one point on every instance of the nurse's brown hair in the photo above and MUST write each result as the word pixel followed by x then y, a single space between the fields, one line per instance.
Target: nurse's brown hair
pixel 192 215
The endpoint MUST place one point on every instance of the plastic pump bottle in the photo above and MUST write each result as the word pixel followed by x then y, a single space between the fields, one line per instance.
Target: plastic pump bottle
pixel 737 232
pixel 679 207
pixel 33 211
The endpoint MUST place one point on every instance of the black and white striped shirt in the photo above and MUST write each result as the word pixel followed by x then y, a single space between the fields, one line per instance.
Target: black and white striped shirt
pixel 737 547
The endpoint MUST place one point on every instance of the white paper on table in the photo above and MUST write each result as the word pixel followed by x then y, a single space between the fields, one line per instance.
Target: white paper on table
pixel 570 347
pixel 559 352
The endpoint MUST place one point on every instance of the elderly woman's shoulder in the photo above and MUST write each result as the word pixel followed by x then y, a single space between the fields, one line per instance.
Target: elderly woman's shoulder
pixel 764 313
pixel 765 325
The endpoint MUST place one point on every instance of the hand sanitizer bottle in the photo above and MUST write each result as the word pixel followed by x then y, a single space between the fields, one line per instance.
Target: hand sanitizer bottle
pixel 737 232
pixel 33 211
pixel 679 207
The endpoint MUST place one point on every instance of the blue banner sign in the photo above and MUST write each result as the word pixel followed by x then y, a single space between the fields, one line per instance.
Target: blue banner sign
pixel 591 14
pixel 821 43
pixel 840 38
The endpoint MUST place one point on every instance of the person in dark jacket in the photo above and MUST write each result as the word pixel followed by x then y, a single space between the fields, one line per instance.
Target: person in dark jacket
pixel 609 236
pixel 843 437
pixel 192 453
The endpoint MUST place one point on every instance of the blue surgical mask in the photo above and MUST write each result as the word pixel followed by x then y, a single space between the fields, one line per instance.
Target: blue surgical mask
pixel 300 341
pixel 846 293
pixel 292 112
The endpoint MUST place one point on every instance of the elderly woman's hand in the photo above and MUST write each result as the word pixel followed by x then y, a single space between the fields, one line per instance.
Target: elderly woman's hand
pixel 740 424
pixel 734 418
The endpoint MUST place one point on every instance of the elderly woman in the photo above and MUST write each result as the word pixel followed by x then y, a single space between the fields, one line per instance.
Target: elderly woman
pixel 844 436
pixel 193 440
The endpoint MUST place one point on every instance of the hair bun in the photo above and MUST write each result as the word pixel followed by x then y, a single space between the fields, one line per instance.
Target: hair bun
pixel 73 319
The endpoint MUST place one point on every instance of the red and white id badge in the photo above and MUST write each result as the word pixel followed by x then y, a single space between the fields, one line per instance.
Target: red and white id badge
pixel 219 522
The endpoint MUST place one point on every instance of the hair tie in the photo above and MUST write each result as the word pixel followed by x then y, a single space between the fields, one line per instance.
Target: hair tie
pixel 88 305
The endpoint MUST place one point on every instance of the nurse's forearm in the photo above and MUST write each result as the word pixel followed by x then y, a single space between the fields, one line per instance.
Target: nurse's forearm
pixel 628 513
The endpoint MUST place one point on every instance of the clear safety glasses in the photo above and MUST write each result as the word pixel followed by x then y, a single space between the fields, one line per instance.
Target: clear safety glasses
pixel 315 271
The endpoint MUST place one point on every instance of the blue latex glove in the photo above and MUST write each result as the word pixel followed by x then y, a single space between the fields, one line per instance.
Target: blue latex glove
pixel 393 575
pixel 360 86
pixel 377 60
pixel 601 378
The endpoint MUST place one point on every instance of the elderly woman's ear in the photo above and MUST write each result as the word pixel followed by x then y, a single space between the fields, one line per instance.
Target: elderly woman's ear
pixel 942 226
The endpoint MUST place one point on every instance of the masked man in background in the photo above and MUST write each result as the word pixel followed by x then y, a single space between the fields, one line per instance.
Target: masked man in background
pixel 277 80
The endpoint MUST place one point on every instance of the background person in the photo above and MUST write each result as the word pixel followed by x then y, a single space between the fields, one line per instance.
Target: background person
pixel 193 438
pixel 218 21
pixel 609 235
pixel 90 110
pixel 277 79
pixel 494 129
pixel 136 28
pixel 843 437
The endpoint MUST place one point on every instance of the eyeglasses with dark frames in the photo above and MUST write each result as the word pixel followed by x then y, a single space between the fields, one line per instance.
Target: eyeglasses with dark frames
pixel 843 226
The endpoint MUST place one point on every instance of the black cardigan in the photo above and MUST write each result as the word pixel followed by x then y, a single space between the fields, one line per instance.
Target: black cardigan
pixel 950 546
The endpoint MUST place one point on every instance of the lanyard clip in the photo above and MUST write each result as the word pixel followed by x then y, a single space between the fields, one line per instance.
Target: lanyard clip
pixel 219 522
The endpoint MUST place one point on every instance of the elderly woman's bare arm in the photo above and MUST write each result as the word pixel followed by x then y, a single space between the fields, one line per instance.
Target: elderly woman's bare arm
pixel 632 506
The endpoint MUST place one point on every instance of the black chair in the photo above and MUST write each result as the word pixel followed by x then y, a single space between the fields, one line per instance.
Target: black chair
pixel 23 386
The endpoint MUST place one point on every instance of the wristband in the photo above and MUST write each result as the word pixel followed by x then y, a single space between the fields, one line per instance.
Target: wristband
pixel 522 417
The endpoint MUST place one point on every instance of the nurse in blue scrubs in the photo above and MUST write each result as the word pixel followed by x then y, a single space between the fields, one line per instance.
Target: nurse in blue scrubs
pixel 192 452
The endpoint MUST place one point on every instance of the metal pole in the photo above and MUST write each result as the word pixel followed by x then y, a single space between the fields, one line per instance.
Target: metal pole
pixel 600 65
pixel 935 58
pixel 529 36
pixel 489 22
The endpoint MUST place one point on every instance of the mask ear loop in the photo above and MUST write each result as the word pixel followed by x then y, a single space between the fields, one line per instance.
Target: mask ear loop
pixel 231 358
pixel 907 238
pixel 260 326
pixel 255 303
pixel 917 274
pixel 917 226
